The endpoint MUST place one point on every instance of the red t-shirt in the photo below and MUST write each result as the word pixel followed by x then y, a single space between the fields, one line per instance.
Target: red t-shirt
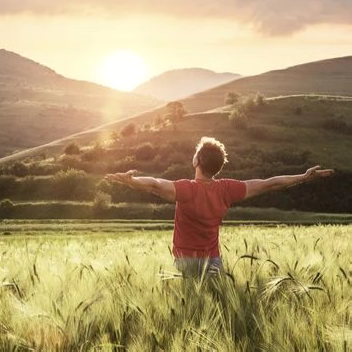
pixel 200 208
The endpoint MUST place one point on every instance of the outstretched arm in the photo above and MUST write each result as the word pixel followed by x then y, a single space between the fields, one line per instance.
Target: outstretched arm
pixel 159 186
pixel 256 187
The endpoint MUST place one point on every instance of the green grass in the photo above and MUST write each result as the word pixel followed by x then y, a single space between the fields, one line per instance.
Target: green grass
pixel 286 288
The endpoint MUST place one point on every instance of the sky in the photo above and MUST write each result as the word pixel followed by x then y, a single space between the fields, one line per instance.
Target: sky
pixel 78 38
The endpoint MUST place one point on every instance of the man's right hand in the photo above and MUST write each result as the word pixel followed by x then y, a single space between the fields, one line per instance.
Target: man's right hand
pixel 256 187
pixel 315 172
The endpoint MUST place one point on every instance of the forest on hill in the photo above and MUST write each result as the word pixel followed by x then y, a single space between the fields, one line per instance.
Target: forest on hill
pixel 264 137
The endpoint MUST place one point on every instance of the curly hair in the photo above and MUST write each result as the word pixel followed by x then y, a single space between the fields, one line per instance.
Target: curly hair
pixel 211 156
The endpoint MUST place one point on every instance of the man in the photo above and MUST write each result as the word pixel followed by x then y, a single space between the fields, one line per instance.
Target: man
pixel 202 203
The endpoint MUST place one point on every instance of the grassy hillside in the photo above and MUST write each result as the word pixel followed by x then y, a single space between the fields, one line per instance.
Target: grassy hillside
pixel 327 77
pixel 37 105
pixel 331 77
pixel 177 84
pixel 293 123
pixel 277 136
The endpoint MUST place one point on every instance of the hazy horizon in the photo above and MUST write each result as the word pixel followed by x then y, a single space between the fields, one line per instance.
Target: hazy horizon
pixel 108 42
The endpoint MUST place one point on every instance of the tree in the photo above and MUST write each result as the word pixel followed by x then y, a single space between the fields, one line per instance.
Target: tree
pixel 248 104
pixel 231 98
pixel 260 100
pixel 175 111
pixel 145 151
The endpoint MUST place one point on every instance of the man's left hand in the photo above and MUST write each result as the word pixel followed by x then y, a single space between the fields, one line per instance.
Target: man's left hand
pixel 121 177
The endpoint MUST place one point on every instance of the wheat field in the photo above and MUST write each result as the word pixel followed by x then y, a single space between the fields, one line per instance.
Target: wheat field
pixel 284 288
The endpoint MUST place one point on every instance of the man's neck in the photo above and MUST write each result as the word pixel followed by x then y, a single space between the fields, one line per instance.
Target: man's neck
pixel 200 176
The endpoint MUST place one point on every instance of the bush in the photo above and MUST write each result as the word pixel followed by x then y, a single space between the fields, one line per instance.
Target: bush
pixel 177 157
pixel 72 149
pixel 258 132
pixel 19 169
pixel 288 156
pixel 34 188
pixel 158 120
pixel 102 202
pixel 128 163
pixel 70 162
pixel 177 171
pixel 337 124
pixel 104 186
pixel 146 127
pixel 298 111
pixel 8 185
pixel 168 149
pixel 252 103
pixel 145 151
pixel 114 137
pixel 43 167
pixel 6 208
pixel 260 100
pixel 129 130
pixel 238 119
pixel 97 153
pixel 6 203
pixel 52 210
pixel 73 185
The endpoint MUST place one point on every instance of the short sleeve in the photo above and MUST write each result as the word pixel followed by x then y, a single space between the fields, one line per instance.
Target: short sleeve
pixel 183 190
pixel 235 190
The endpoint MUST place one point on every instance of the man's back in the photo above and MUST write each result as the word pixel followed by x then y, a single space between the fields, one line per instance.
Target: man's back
pixel 200 207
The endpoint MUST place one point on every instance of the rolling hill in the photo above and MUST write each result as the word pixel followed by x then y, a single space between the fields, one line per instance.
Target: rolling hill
pixel 327 77
pixel 178 84
pixel 330 77
pixel 37 105
pixel 283 135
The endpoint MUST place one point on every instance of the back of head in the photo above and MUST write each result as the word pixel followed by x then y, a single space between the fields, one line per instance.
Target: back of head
pixel 211 156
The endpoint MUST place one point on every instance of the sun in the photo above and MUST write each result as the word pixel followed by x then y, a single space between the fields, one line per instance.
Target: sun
pixel 123 70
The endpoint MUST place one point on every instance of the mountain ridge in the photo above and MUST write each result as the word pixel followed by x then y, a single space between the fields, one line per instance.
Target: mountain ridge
pixel 298 79
pixel 38 105
pixel 178 83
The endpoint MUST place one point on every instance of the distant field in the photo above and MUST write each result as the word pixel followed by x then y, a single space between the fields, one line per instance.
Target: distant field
pixel 112 286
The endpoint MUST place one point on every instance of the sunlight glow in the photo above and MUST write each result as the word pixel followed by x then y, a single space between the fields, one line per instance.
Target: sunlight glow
pixel 123 70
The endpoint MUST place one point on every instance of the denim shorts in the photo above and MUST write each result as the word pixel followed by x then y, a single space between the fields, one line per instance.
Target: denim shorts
pixel 199 266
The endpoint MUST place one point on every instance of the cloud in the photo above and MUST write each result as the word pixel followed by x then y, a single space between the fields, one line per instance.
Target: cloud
pixel 270 17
